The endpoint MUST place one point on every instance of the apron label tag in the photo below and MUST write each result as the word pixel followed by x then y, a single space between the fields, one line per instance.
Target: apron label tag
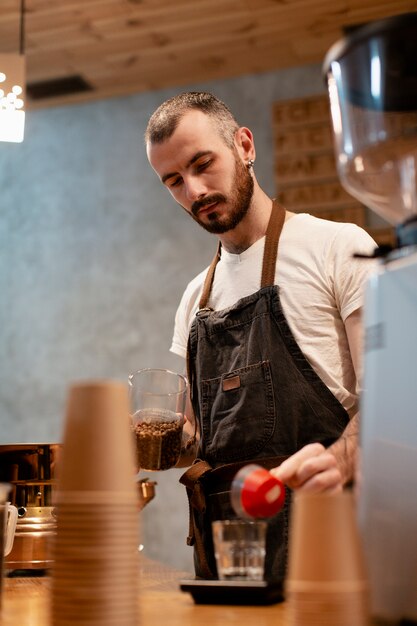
pixel 231 383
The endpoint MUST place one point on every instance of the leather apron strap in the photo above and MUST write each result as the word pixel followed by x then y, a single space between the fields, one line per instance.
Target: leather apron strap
pixel 273 232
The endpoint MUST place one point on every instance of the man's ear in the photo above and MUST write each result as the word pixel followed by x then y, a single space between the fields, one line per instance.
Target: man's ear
pixel 245 144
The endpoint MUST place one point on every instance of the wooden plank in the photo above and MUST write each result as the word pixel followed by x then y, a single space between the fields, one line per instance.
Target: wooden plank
pixel 360 12
pixel 128 46
pixel 342 12
pixel 302 111
pixel 114 62
pixel 303 139
pixel 28 601
pixel 268 5
pixel 214 30
pixel 323 195
pixel 115 19
pixel 355 214
pixel 129 74
pixel 86 45
pixel 156 65
pixel 305 168
pixel 315 45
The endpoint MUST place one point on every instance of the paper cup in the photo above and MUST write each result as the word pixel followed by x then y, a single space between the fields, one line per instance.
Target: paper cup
pixel 98 451
pixel 324 540
pixel 326 583
pixel 96 569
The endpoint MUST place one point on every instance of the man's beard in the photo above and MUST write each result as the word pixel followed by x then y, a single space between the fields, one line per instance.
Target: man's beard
pixel 239 202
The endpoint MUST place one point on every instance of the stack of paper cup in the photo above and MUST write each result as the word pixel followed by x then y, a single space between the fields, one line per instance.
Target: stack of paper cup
pixel 95 575
pixel 326 583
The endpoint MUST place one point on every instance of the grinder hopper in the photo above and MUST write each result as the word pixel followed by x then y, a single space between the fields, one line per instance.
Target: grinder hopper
pixel 372 80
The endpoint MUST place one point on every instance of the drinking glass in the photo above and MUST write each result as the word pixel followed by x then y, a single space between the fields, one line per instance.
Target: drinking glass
pixel 239 547
pixel 157 403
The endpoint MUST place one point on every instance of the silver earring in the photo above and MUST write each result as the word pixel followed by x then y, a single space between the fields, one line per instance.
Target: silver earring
pixel 250 164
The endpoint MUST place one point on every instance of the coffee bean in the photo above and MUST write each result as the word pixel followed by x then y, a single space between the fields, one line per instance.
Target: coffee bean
pixel 158 444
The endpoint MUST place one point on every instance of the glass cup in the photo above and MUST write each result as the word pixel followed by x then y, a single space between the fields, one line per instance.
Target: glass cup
pixel 239 548
pixel 157 403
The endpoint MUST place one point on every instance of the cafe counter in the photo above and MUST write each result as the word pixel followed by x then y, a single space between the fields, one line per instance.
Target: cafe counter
pixel 26 602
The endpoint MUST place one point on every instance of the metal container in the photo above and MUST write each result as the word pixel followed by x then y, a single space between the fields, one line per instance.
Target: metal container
pixel 30 469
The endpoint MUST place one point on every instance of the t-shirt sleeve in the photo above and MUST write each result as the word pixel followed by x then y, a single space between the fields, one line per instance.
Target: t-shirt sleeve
pixel 350 274
pixel 180 336
pixel 185 314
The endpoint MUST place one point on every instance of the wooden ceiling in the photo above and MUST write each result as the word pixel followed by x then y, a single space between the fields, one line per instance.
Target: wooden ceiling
pixel 122 47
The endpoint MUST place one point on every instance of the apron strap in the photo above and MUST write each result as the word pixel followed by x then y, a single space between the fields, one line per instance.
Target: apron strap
pixel 196 502
pixel 208 282
pixel 273 232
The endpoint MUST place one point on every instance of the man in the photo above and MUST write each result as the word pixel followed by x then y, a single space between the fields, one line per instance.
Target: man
pixel 271 333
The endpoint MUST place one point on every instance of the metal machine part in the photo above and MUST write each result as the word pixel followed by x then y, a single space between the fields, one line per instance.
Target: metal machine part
pixel 372 80
pixel 30 469
pixel 146 489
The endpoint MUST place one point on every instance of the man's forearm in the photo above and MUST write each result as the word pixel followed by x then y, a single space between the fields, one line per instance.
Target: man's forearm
pixel 345 450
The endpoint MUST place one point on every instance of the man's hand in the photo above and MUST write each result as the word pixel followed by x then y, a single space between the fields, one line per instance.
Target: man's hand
pixel 312 469
pixel 190 437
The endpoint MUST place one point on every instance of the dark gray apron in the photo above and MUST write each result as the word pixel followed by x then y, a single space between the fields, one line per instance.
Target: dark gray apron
pixel 256 398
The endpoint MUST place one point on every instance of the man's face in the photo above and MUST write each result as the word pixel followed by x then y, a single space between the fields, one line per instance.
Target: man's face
pixel 204 175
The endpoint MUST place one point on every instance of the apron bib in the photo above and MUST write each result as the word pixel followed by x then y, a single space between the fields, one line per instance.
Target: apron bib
pixel 256 399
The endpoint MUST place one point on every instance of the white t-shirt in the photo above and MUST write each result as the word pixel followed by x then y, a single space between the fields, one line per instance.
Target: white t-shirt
pixel 320 285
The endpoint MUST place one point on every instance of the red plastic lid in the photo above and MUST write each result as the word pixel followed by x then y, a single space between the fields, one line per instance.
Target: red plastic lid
pixel 261 494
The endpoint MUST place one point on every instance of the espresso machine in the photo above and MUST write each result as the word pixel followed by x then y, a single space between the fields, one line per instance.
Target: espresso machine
pixel 372 81
pixel 31 471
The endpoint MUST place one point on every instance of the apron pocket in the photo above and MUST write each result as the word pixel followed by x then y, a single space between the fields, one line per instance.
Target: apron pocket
pixel 238 412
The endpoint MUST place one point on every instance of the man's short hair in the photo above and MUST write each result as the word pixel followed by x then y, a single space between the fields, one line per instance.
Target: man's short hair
pixel 167 116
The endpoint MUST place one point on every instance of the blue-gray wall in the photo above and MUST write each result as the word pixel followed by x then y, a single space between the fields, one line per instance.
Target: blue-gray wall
pixel 94 255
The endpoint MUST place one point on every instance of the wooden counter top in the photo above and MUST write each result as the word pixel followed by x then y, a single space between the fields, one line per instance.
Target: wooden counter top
pixel 26 603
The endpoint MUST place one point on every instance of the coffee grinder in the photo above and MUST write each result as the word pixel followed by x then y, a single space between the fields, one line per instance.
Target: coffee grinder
pixel 372 81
